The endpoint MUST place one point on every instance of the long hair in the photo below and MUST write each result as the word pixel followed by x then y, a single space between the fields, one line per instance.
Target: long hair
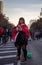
pixel 21 18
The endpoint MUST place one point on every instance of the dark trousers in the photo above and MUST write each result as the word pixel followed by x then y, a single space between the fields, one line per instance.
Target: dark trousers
pixel 21 42
pixel 24 52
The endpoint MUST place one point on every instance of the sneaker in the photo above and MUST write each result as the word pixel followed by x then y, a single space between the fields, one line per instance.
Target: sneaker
pixel 18 58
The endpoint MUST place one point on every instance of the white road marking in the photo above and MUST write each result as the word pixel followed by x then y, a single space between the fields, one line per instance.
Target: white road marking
pixel 9 56
pixel 8 51
pixel 6 48
pixel 9 64
pixel 19 62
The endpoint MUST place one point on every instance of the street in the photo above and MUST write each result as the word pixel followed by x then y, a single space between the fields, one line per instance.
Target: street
pixel 8 53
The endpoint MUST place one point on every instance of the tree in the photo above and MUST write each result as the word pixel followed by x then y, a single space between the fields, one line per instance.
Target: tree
pixel 37 25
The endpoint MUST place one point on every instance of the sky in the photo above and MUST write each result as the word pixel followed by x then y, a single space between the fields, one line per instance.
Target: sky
pixel 29 9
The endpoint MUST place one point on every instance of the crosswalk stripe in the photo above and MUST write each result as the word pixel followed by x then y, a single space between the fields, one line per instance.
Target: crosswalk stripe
pixel 9 64
pixel 9 56
pixel 19 62
pixel 8 51
pixel 7 48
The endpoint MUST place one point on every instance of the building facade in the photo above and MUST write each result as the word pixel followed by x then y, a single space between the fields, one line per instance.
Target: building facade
pixel 1 7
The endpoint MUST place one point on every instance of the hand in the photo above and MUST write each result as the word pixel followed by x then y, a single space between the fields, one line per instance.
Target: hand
pixel 17 28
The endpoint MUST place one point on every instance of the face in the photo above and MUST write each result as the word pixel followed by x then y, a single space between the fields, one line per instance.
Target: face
pixel 21 21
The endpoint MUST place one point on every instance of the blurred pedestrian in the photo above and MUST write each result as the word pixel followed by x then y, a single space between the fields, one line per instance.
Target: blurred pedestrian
pixel 5 35
pixel 1 33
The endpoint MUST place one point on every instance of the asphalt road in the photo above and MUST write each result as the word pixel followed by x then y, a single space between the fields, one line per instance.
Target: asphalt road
pixel 8 54
pixel 36 48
